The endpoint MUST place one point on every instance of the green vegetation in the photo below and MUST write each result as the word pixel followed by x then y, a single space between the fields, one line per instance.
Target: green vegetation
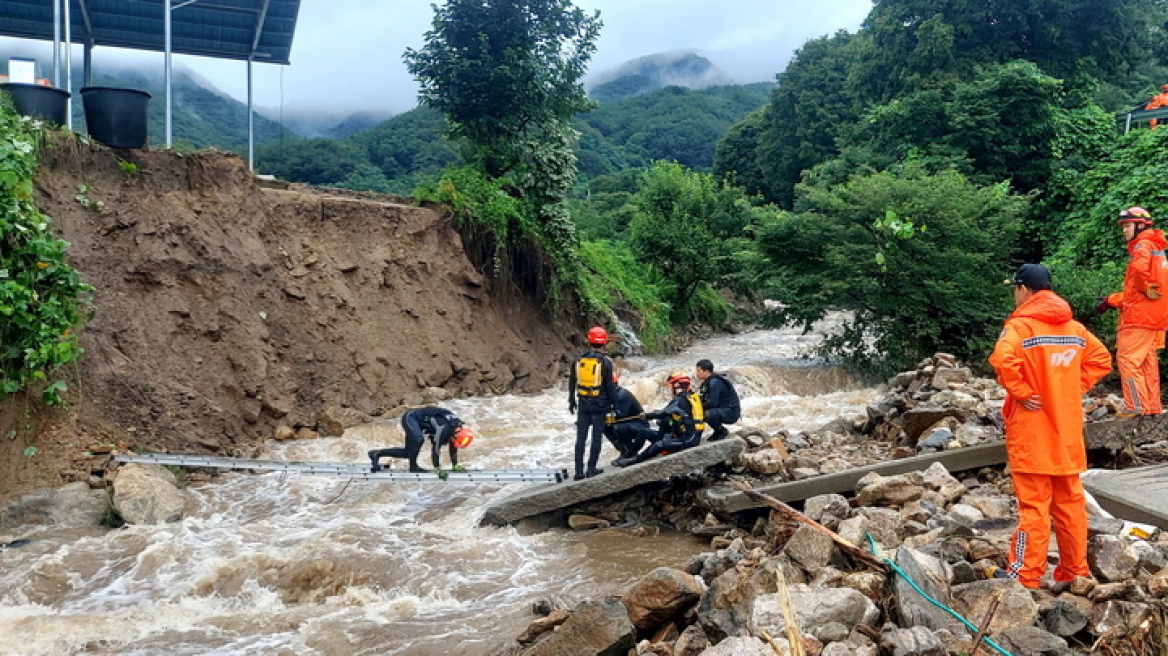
pixel 42 300
pixel 925 156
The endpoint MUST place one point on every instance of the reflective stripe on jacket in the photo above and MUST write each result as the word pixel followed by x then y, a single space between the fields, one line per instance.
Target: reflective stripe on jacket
pixel 1147 266
pixel 1043 351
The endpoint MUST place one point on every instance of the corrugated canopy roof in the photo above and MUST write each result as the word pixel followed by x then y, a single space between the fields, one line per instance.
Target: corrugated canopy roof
pixel 226 29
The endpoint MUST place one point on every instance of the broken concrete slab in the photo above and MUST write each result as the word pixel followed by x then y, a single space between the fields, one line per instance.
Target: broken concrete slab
pixel 548 498
pixel 1118 434
pixel 1138 495
pixel 727 499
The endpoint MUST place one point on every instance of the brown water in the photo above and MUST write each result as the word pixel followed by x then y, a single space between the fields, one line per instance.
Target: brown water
pixel 291 564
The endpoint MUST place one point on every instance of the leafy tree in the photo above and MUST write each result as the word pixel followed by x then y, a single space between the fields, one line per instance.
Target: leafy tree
pixel 921 43
pixel 504 72
pixel 917 259
pixel 315 161
pixel 803 118
pixel 687 227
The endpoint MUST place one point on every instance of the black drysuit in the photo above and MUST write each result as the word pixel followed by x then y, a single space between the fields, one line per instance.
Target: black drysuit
pixel 439 424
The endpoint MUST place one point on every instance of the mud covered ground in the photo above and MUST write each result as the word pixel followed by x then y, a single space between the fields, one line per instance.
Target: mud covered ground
pixel 225 311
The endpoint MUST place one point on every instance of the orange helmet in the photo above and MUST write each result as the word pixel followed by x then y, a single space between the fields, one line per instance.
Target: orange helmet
pixel 462 438
pixel 1135 215
pixel 597 336
pixel 679 378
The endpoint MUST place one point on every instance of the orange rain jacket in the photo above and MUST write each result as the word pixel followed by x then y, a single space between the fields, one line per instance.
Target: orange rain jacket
pixel 1147 266
pixel 1043 351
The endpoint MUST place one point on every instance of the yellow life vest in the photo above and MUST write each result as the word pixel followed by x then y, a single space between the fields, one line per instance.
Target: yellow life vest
pixel 699 413
pixel 589 376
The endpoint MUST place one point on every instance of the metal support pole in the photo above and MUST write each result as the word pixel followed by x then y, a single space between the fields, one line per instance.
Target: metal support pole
pixel 87 66
pixel 250 122
pixel 57 43
pixel 69 64
pixel 166 30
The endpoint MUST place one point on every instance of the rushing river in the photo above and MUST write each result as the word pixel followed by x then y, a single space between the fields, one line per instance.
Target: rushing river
pixel 292 564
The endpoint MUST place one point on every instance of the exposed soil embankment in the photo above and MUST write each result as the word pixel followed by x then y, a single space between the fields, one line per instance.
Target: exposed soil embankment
pixel 225 311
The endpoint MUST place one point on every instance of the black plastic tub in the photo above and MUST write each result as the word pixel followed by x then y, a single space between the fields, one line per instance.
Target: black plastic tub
pixel 38 101
pixel 116 117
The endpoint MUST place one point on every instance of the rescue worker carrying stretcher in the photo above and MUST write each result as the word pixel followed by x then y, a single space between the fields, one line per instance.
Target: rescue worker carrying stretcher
pixel 443 428
pixel 629 430
pixel 680 424
pixel 592 396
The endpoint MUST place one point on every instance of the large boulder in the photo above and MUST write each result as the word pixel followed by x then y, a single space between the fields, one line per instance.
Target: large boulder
pixel 1016 607
pixel 147 494
pixel 74 505
pixel 660 595
pixel 813 608
pixel 599 627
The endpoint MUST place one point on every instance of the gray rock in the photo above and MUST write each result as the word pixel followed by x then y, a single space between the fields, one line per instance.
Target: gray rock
pixel 916 421
pixel 838 649
pixel 932 575
pixel 691 642
pixel 1065 618
pixel 965 514
pixel 915 641
pixel 820 505
pixel 813 608
pixel 600 627
pixel 1118 617
pixel 1016 607
pixel 882 525
pixel 747 646
pixel 943 377
pixel 991 507
pixel 147 494
pixel 763 461
pixel 1151 559
pixel 832 632
pixel 1032 641
pixel 854 530
pixel 810 549
pixel 75 505
pixel 877 490
pixel 1111 559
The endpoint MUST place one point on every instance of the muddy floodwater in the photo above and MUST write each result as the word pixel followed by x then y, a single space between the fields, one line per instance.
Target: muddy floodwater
pixel 294 564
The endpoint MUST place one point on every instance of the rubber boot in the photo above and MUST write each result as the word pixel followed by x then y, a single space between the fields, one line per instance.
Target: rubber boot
pixel 373 460
pixel 416 469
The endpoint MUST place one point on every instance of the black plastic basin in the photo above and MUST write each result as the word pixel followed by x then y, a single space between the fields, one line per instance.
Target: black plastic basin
pixel 116 117
pixel 38 101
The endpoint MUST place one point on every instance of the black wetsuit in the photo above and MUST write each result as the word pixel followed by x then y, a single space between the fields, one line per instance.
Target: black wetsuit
pixel 676 429
pixel 439 424
pixel 720 401
pixel 631 430
pixel 590 406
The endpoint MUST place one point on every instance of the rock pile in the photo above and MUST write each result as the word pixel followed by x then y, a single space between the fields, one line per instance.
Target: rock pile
pixel 941 533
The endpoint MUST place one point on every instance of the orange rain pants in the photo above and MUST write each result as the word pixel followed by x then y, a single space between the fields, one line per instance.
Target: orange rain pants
pixel 1139 368
pixel 1041 497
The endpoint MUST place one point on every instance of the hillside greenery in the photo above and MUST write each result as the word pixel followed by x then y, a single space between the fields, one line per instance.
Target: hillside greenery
pixel 674 123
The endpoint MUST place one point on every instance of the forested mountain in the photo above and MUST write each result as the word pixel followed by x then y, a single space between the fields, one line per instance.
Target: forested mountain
pixel 669 124
pixel 653 72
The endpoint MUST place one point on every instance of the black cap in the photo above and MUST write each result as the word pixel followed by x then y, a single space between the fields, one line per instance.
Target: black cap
pixel 1033 276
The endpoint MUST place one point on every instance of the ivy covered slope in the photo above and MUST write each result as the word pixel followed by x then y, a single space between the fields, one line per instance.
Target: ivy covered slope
pixel 42 300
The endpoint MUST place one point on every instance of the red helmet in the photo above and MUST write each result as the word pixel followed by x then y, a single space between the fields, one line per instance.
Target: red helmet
pixel 462 438
pixel 679 378
pixel 597 336
pixel 1135 215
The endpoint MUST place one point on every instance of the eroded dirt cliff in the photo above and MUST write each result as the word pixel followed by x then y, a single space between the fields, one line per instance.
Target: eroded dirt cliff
pixel 224 311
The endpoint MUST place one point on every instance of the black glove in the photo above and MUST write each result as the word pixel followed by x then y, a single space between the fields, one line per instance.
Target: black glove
pixel 1103 306
pixel 650 416
pixel 572 406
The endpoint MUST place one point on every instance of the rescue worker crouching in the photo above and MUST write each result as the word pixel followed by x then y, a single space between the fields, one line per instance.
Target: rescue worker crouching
pixel 680 424
pixel 629 430
pixel 1143 313
pixel 592 396
pixel 441 426
pixel 719 400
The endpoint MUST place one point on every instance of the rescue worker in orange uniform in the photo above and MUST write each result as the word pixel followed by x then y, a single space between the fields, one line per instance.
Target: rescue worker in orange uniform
pixel 592 396
pixel 1143 312
pixel 1159 100
pixel 1046 361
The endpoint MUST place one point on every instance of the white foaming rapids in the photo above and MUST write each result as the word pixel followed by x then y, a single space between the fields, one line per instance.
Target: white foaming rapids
pixel 292 564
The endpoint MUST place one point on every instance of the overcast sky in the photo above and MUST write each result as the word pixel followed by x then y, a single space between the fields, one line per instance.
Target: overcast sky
pixel 346 55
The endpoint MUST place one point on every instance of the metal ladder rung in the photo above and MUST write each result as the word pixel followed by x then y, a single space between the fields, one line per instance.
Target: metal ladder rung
pixel 347 470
